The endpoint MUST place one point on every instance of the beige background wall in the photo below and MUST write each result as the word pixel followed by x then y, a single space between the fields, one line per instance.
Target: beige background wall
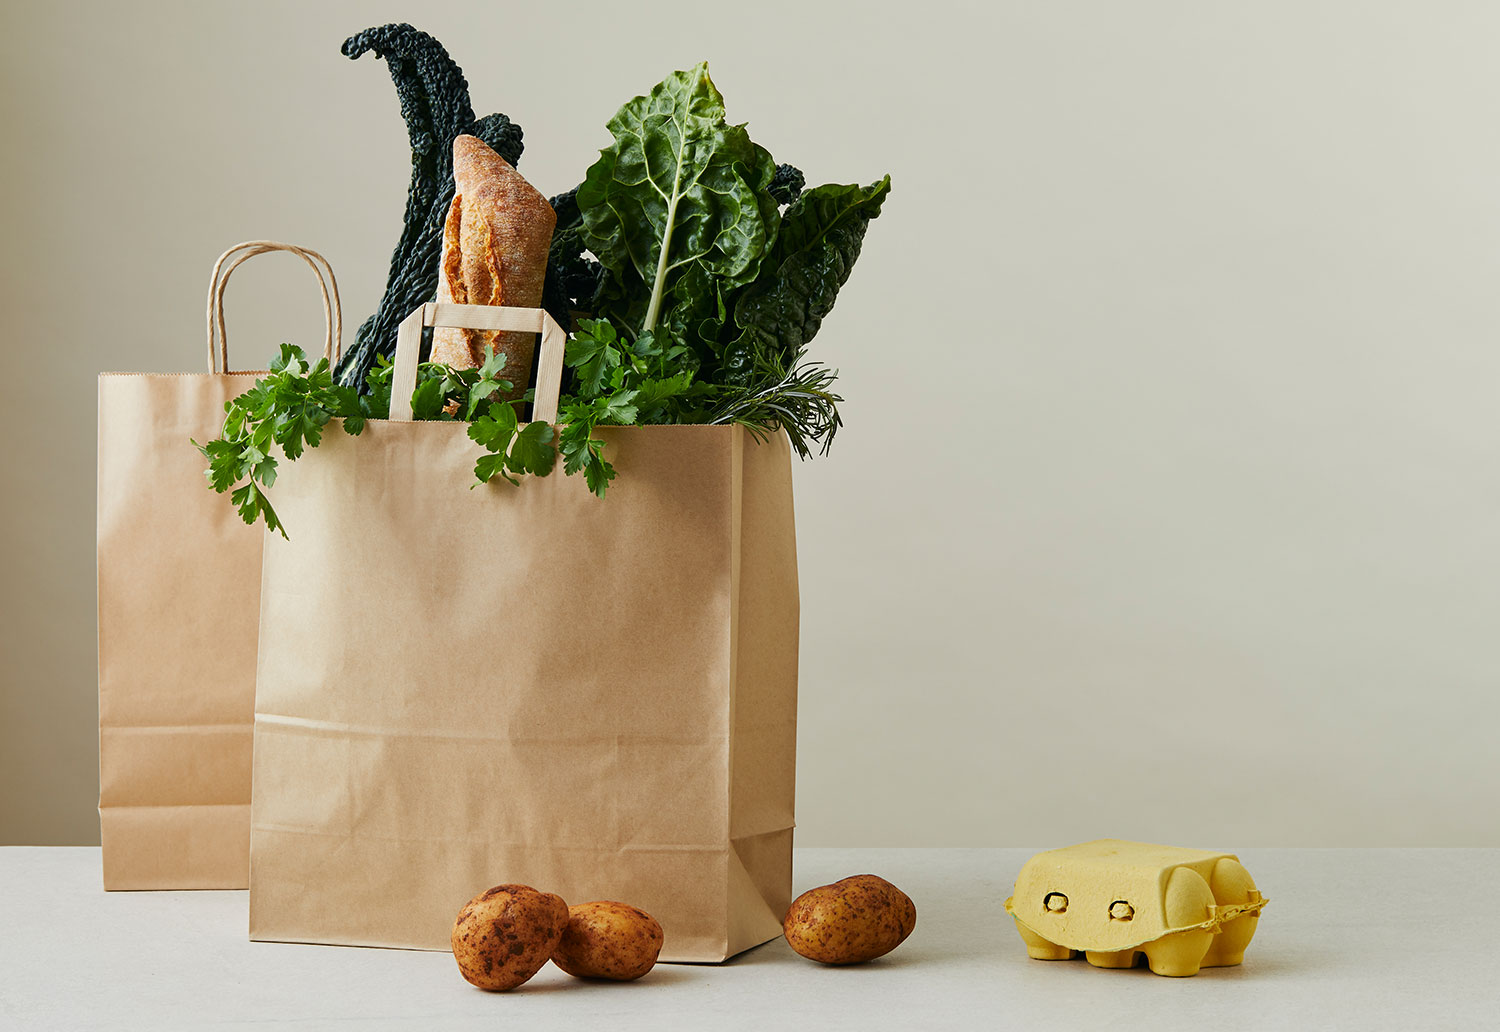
pixel 1167 501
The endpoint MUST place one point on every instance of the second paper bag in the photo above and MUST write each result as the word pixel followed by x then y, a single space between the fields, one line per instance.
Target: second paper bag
pixel 460 688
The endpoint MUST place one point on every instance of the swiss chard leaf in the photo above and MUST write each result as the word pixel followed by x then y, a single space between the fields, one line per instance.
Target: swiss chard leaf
pixel 698 311
pixel 678 191
pixel 819 241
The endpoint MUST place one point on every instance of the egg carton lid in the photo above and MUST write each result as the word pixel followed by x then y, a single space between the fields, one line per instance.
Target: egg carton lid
pixel 1133 871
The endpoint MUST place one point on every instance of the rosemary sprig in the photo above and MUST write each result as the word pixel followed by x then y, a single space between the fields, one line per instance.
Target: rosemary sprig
pixel 798 401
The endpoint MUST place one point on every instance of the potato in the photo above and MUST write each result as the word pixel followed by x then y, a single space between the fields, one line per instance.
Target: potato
pixel 608 940
pixel 504 935
pixel 851 921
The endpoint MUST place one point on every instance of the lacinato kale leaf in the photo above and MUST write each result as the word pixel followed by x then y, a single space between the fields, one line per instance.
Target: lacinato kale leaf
pixel 699 308
pixel 434 97
pixel 573 279
pixel 786 186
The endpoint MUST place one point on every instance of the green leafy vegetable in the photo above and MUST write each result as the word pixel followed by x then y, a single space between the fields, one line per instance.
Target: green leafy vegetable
pixel 699 308
pixel 532 451
pixel 820 239
pixel 494 431
pixel 435 103
pixel 293 404
pixel 796 397
pixel 513 451
pixel 620 383
pixel 680 196
pixel 684 213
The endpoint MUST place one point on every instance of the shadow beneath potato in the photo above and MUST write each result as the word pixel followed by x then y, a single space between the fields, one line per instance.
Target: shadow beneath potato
pixel 559 981
pixel 662 974
pixel 777 951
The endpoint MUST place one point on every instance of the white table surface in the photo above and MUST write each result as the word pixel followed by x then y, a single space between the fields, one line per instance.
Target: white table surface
pixel 1352 939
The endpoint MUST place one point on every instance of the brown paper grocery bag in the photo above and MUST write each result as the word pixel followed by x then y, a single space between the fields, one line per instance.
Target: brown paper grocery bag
pixel 460 688
pixel 178 606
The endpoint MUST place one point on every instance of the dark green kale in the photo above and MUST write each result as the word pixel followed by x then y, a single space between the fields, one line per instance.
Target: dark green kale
pixel 573 279
pixel 435 103
pixel 786 186
pixel 692 279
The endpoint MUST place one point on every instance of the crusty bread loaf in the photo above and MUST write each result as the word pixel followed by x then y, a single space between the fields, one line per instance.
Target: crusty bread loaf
pixel 494 253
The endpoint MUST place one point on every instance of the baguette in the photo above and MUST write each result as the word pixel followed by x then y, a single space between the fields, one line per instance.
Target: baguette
pixel 495 244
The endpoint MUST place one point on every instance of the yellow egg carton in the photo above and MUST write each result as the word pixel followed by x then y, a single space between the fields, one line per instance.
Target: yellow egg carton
pixel 1114 900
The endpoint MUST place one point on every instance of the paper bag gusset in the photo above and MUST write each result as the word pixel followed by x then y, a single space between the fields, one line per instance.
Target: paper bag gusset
pixel 1115 900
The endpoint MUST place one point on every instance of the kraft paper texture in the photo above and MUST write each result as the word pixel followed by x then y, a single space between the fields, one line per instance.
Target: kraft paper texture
pixel 178 600
pixel 460 688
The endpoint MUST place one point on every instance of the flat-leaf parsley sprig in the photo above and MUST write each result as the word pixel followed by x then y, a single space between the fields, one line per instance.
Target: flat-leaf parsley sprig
pixel 290 406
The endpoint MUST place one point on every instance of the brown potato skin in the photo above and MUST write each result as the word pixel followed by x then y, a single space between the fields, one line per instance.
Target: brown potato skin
pixel 851 921
pixel 504 935
pixel 608 940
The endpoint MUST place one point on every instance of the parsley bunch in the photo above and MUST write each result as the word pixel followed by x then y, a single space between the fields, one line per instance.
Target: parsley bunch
pixel 288 407
pixel 615 382
pixel 291 405
pixel 621 383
